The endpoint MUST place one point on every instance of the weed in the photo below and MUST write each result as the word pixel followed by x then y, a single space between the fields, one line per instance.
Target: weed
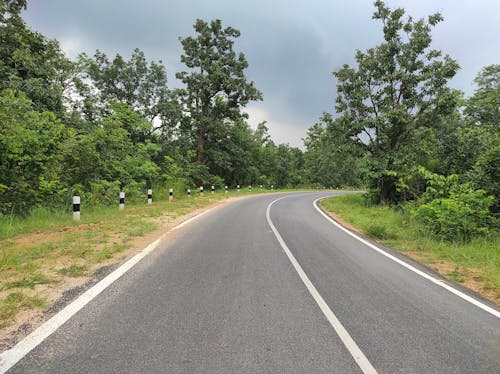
pixel 75 270
pixel 15 302
pixel 29 281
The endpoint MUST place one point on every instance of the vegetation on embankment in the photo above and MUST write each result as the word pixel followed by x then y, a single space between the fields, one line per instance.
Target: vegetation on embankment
pixel 475 263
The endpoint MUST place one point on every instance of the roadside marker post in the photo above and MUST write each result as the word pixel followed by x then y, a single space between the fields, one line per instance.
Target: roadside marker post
pixel 250 188
pixel 260 187
pixel 150 196
pixel 122 201
pixel 225 189
pixel 201 190
pixel 213 190
pixel 272 187
pixel 238 187
pixel 170 194
pixel 189 192
pixel 76 208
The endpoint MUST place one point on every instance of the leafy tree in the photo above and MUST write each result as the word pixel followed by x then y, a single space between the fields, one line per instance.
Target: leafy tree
pixel 215 85
pixel 109 154
pixel 484 105
pixel 30 153
pixel 333 157
pixel 9 8
pixel 142 87
pixel 29 62
pixel 398 87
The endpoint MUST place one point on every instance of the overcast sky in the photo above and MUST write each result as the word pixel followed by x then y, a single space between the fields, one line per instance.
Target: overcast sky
pixel 292 46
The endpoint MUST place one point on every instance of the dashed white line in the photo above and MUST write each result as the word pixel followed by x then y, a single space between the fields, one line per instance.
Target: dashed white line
pixel 363 363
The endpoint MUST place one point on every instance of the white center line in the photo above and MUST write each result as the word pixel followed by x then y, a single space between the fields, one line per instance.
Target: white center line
pixel 363 363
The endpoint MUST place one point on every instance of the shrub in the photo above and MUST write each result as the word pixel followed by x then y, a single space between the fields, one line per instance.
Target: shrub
pixel 460 216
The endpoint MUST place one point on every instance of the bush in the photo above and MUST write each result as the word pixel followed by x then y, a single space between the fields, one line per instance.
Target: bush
pixel 461 216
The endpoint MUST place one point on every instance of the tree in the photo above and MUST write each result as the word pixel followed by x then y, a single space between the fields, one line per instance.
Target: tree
pixel 334 157
pixel 30 154
pixel 398 87
pixel 215 85
pixel 142 87
pixel 484 105
pixel 29 62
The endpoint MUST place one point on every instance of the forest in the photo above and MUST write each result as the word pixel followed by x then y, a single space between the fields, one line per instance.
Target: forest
pixel 102 124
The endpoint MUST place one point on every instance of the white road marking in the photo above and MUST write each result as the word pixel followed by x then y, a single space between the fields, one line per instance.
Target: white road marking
pixel 438 282
pixel 10 357
pixel 363 363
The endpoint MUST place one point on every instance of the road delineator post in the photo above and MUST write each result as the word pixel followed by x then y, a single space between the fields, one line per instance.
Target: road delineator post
pixel 76 208
pixel 121 205
pixel 170 194
pixel 150 196
pixel 201 190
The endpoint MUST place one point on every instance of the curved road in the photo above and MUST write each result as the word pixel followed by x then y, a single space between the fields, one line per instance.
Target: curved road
pixel 223 296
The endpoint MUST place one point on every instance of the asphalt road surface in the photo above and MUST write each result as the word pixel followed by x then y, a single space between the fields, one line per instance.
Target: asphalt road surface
pixel 221 295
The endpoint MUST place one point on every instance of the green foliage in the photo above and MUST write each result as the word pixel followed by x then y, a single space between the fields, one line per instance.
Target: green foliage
pixel 397 88
pixel 460 216
pixel 29 62
pixel 216 86
pixel 333 158
pixel 30 152
pixel 484 105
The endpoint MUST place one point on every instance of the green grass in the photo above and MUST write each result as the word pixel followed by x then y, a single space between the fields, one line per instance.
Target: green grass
pixel 398 229
pixel 28 281
pixel 75 271
pixel 16 301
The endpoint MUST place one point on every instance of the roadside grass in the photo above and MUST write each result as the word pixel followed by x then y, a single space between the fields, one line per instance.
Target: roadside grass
pixel 476 263
pixel 47 249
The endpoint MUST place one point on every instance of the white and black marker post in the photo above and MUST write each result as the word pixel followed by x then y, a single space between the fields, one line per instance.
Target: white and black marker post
pixel 189 192
pixel 225 189
pixel 250 188
pixel 76 208
pixel 272 186
pixel 122 200
pixel 238 187
pixel 213 190
pixel 201 190
pixel 170 194
pixel 260 187
pixel 150 196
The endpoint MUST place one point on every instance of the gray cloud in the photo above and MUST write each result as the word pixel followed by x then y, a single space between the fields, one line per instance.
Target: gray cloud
pixel 292 46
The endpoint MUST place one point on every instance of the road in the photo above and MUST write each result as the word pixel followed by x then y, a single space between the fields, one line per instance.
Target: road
pixel 221 295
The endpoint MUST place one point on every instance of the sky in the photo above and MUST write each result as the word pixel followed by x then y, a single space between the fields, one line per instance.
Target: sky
pixel 292 46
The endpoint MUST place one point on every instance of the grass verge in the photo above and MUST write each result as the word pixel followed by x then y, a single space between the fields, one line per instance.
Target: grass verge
pixel 475 264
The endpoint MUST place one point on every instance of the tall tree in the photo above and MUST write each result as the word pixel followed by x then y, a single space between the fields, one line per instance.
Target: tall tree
pixel 215 85
pixel 396 88
pixel 484 105
pixel 29 62
pixel 142 87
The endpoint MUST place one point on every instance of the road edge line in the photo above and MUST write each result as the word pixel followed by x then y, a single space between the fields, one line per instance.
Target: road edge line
pixel 359 357
pixel 423 274
pixel 13 355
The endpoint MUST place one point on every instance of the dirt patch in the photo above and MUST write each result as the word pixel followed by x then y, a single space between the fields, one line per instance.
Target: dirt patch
pixel 467 277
